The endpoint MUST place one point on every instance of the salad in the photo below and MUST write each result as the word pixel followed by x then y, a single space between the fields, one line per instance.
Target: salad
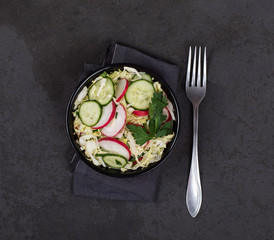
pixel 123 120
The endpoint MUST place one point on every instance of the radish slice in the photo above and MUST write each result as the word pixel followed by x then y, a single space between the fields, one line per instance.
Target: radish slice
pixel 115 146
pixel 121 89
pixel 116 125
pixel 167 114
pixel 107 115
pixel 120 134
pixel 140 113
pixel 170 109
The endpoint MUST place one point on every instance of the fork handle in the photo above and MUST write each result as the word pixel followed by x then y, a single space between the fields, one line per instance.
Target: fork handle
pixel 194 190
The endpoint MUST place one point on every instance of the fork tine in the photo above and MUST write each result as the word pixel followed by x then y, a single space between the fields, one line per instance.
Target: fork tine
pixel 194 68
pixel 188 68
pixel 204 69
pixel 199 69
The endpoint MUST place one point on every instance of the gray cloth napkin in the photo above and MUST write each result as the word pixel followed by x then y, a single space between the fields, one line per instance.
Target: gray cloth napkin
pixel 89 183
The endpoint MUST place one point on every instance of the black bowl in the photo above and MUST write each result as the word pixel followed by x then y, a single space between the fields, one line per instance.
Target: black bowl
pixel 72 137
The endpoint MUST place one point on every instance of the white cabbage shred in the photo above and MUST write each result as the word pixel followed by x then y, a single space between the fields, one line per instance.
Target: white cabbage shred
pixel 80 97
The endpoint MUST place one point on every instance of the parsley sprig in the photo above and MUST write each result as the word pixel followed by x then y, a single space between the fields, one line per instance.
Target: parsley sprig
pixel 156 126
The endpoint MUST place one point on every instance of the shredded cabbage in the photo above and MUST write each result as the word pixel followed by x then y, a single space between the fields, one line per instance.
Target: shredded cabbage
pixel 157 87
pixel 132 70
pixel 80 97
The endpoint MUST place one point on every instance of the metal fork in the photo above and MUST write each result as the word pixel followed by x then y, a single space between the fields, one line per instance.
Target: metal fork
pixel 195 91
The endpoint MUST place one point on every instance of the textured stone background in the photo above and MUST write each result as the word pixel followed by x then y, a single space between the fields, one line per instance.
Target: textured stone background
pixel 43 46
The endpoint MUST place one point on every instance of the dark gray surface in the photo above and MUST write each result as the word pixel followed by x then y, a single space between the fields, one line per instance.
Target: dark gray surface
pixel 43 45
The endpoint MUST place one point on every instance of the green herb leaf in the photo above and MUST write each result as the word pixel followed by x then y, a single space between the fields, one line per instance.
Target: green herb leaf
pixel 165 130
pixel 139 156
pixel 104 74
pixel 139 133
pixel 158 102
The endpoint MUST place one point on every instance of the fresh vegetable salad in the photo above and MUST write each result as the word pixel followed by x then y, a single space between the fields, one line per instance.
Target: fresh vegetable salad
pixel 123 120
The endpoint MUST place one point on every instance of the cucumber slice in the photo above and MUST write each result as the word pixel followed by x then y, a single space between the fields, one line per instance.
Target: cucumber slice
pixel 144 76
pixel 90 113
pixel 135 77
pixel 139 94
pixel 102 91
pixel 100 154
pixel 114 160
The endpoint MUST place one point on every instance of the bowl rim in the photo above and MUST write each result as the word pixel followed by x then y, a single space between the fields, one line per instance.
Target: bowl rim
pixel 114 172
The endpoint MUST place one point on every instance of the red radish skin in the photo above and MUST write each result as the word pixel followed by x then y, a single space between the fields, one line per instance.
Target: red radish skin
pixel 107 115
pixel 121 89
pixel 115 146
pixel 130 123
pixel 145 144
pixel 114 127
pixel 135 162
pixel 140 113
